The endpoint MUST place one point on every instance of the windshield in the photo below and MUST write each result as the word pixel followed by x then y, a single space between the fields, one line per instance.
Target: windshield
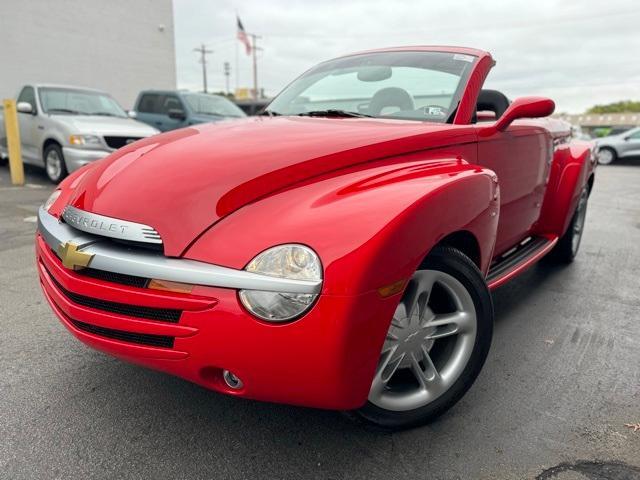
pixel 79 102
pixel 212 105
pixel 403 85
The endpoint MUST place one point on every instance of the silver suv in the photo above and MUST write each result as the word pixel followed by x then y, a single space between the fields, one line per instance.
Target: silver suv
pixel 63 128
pixel 625 144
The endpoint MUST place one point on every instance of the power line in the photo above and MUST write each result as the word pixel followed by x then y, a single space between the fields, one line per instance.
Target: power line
pixel 506 25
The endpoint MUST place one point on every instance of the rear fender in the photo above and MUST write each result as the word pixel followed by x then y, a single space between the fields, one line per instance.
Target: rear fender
pixel 572 166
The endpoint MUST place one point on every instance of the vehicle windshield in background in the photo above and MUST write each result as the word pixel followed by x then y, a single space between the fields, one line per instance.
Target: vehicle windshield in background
pixel 213 105
pixel 402 85
pixel 79 102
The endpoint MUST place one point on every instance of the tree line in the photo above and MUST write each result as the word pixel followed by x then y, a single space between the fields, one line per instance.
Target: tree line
pixel 624 106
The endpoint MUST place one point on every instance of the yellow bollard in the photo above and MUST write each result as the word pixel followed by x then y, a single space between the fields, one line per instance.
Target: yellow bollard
pixel 12 130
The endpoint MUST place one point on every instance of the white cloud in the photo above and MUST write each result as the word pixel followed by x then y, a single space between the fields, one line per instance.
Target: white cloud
pixel 578 53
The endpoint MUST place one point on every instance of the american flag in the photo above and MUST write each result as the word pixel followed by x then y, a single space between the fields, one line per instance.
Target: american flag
pixel 242 36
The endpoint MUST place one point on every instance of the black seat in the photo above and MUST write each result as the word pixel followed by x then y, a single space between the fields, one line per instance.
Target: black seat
pixel 492 101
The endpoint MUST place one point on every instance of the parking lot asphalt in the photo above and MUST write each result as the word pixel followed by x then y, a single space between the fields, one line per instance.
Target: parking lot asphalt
pixel 561 382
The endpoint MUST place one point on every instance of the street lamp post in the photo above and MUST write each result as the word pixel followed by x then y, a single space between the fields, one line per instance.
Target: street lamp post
pixel 227 72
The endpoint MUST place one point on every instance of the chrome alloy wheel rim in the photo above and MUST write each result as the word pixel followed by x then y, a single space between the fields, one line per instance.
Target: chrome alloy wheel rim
pixel 428 344
pixel 578 224
pixel 54 164
pixel 605 156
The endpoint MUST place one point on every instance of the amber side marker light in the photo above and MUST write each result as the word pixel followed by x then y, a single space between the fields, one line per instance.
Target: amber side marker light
pixel 395 287
pixel 168 286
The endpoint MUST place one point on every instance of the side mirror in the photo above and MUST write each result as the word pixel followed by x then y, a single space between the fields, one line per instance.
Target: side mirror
pixel 177 114
pixel 132 114
pixel 525 107
pixel 24 107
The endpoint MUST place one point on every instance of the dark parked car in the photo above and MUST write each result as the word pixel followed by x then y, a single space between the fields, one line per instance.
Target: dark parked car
pixel 171 109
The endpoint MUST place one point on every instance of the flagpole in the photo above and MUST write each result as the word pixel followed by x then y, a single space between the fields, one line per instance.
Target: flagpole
pixel 254 49
pixel 237 70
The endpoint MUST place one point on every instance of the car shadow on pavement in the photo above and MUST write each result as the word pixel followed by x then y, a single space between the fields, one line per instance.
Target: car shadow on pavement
pixel 514 294
pixel 629 161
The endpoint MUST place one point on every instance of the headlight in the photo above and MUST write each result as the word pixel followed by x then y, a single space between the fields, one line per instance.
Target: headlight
pixel 52 199
pixel 295 262
pixel 84 140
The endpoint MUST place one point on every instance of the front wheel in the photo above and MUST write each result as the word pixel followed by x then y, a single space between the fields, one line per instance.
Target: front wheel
pixel 437 342
pixel 54 163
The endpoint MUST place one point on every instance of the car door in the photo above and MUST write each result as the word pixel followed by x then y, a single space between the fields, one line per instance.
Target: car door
pixel 171 105
pixel 149 110
pixel 630 145
pixel 521 157
pixel 29 127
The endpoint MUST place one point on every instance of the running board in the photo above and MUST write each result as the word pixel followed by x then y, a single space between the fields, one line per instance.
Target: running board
pixel 518 259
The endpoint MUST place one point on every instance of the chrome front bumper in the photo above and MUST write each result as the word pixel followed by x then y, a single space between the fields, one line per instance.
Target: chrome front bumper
pixel 77 157
pixel 111 257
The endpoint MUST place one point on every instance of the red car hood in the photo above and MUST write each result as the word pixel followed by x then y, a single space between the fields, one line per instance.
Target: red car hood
pixel 183 181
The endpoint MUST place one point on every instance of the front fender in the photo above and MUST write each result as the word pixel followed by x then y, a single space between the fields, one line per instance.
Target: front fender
pixel 371 227
pixel 572 166
pixel 54 130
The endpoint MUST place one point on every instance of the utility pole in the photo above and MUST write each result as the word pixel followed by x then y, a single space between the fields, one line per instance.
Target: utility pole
pixel 227 71
pixel 202 50
pixel 254 49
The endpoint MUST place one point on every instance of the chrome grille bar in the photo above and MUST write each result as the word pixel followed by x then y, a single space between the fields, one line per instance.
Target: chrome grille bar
pixel 111 257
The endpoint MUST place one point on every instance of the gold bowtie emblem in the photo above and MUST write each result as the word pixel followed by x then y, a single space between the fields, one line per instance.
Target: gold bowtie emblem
pixel 72 257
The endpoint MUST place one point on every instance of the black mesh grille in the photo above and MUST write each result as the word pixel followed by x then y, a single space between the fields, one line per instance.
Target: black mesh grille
pixel 121 278
pixel 160 314
pixel 139 338
pixel 119 142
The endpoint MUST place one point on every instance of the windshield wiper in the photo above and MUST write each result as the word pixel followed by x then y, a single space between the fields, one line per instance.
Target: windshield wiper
pixel 269 113
pixel 62 110
pixel 104 114
pixel 334 113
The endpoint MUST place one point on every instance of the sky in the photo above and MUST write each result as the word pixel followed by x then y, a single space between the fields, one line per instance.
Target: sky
pixel 579 53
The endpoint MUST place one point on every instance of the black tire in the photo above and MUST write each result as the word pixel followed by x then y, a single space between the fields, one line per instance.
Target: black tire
pixel 567 247
pixel 53 155
pixel 611 156
pixel 453 262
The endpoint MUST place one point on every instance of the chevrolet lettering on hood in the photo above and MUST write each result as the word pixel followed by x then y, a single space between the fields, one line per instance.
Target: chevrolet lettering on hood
pixel 109 227
pixel 337 251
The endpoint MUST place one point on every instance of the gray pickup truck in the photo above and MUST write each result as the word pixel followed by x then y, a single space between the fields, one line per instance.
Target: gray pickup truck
pixel 63 128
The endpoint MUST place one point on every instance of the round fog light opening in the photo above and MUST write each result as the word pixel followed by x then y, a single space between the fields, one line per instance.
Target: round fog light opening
pixel 231 380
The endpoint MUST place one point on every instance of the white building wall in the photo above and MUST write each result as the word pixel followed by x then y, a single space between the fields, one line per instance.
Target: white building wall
pixel 120 46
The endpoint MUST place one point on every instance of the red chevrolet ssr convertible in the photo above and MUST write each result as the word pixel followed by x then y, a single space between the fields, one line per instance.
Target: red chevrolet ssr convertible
pixel 338 251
